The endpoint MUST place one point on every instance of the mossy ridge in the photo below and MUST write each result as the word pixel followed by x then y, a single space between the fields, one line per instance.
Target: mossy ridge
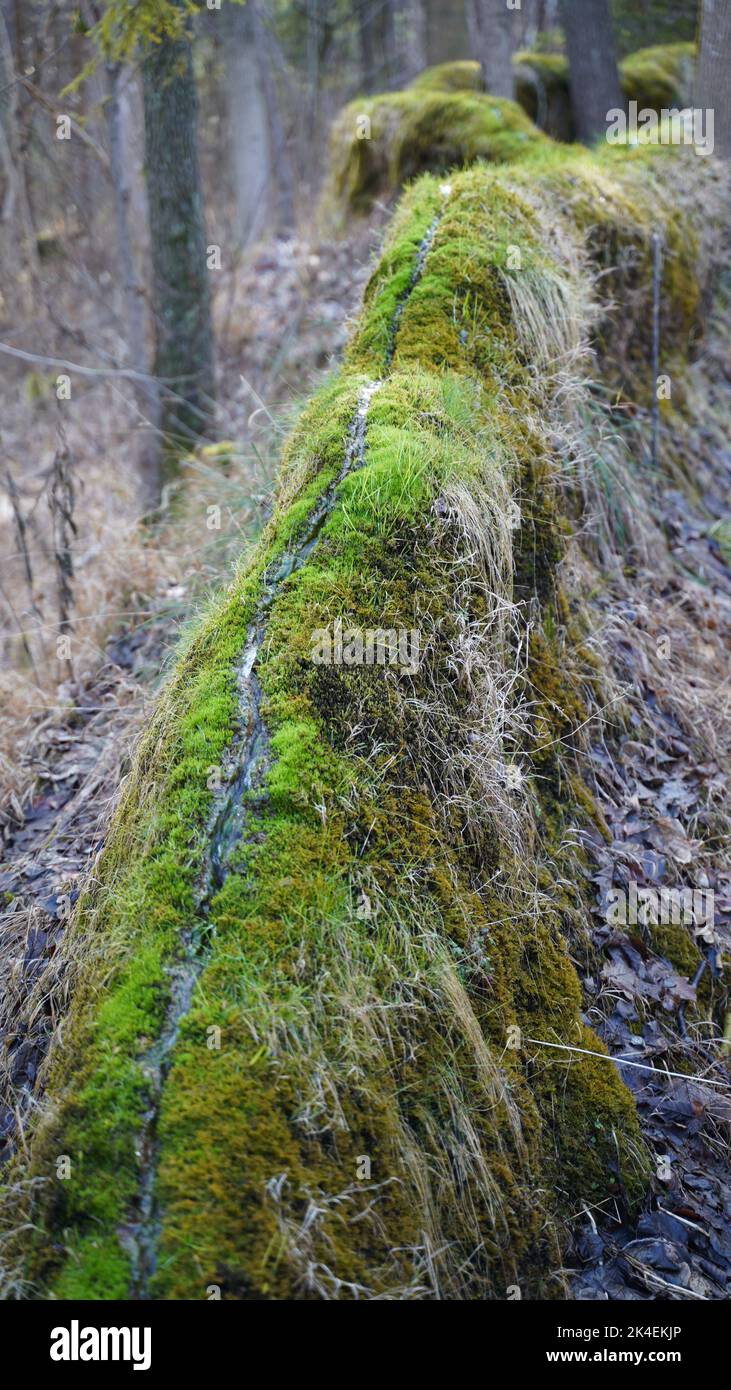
pixel 616 203
pixel 416 131
pixel 656 77
pixel 312 773
pixel 461 305
pixel 556 210
pixel 660 76
pixel 144 898
pixel 445 119
pixel 338 822
pixel 295 902
pixel 162 880
pixel 583 1152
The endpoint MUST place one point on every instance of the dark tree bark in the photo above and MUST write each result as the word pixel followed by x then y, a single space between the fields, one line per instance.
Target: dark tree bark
pixel 180 287
pixel 16 214
pixel 713 79
pixel 593 75
pixel 495 32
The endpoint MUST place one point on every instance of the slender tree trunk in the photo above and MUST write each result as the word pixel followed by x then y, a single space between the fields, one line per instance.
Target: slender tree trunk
pixel 367 46
pixel 387 30
pixel 446 31
pixel 495 33
pixel 147 399
pixel 15 207
pixel 313 69
pixel 8 115
pixel 249 148
pixel 531 22
pixel 593 75
pixel 411 21
pixel 281 159
pixel 180 287
pixel 377 35
pixel 713 78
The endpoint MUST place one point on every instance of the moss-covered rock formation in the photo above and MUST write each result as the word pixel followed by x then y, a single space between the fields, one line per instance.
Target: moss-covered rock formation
pixel 656 78
pixel 446 119
pixel 330 933
pixel 380 142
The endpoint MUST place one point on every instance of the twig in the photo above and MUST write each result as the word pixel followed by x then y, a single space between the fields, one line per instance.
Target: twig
pixel 61 502
pixel 656 282
pixel 625 1062
pixel 42 360
pixel 55 110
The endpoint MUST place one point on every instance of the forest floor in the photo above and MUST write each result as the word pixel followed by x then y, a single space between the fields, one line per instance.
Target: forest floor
pixel 659 801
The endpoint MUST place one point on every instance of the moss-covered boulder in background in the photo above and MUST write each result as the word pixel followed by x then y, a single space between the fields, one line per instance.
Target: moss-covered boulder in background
pixel 659 77
pixel 445 119
pixel 656 78
pixel 381 142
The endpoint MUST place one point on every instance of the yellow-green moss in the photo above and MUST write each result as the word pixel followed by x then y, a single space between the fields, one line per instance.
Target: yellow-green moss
pixel 655 77
pixel 445 119
pixel 379 143
pixel 375 940
pixel 660 77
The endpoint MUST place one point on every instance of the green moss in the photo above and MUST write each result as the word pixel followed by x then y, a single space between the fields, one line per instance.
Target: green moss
pixel 676 944
pixel 96 1268
pixel 542 89
pixel 446 120
pixel 379 933
pixel 659 77
pixel 459 76
pixel 379 143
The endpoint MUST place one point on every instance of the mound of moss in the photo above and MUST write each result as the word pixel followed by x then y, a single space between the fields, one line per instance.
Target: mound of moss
pixel 661 76
pixel 329 937
pixel 446 119
pixel 379 143
pixel 658 78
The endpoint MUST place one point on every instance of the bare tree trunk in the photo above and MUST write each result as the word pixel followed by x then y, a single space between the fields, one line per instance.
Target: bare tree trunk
pixel 411 22
pixel 495 34
pixel 15 207
pixel 313 69
pixel 180 288
pixel 280 155
pixel 532 20
pixel 377 36
pixel 387 32
pixel 251 164
pixel 367 46
pixel 147 400
pixel 593 75
pixel 713 79
pixel 446 31
pixel 8 114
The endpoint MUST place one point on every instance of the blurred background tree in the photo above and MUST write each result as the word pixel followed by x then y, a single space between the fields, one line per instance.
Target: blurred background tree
pixel 593 74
